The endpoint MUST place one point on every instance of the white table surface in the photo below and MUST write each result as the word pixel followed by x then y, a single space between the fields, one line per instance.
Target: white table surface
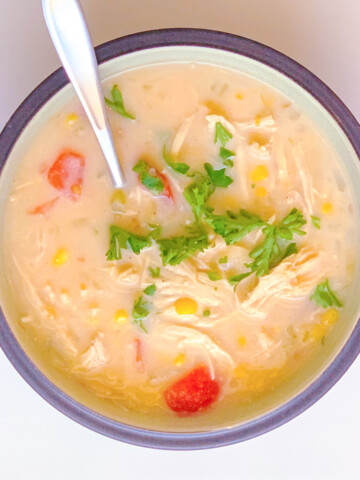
pixel 36 441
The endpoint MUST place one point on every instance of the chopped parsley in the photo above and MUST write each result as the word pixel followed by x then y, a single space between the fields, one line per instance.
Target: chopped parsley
pixel 223 259
pixel 121 238
pixel 140 311
pixel 274 248
pixel 324 296
pixel 198 192
pixel 214 276
pixel 117 103
pixel 218 177
pixel 176 249
pixel 315 221
pixel 206 313
pixel 221 134
pixel 228 163
pixel 150 290
pixel 176 166
pixel 156 231
pixel 235 279
pixel 151 181
pixel 225 154
pixel 154 272
pixel 233 226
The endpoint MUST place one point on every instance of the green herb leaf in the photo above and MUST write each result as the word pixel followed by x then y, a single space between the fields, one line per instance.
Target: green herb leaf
pixel 176 166
pixel 228 163
pixel 197 193
pixel 156 231
pixel 117 103
pixel 315 221
pixel 226 155
pixel 176 249
pixel 206 313
pixel 150 290
pixel 233 226
pixel 140 311
pixel 149 180
pixel 223 259
pixel 271 251
pixel 221 134
pixel 154 272
pixel 324 296
pixel 235 279
pixel 218 177
pixel 214 276
pixel 121 238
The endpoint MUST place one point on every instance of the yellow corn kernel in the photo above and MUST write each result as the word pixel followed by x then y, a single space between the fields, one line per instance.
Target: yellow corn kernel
pixel 317 333
pixel 71 119
pixel 330 317
pixel 260 192
pixel 239 96
pixel 242 341
pixel 121 316
pixel 118 196
pixel 179 360
pixel 327 207
pixel 76 189
pixel 259 173
pixel 185 306
pixel 258 120
pixel 61 257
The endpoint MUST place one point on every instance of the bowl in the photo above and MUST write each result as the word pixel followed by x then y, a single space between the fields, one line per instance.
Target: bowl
pixel 329 115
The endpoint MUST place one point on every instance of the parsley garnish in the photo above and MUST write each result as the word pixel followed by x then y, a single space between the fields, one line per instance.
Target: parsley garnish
pixel 221 134
pixel 152 182
pixel 226 155
pixel 117 103
pixel 218 177
pixel 176 249
pixel 214 276
pixel 233 226
pixel 198 192
pixel 155 232
pixel 223 259
pixel 150 290
pixel 121 238
pixel 275 248
pixel 235 279
pixel 176 166
pixel 206 313
pixel 140 311
pixel 315 221
pixel 154 272
pixel 324 296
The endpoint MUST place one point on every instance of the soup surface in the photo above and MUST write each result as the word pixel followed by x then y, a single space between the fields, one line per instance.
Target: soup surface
pixel 216 272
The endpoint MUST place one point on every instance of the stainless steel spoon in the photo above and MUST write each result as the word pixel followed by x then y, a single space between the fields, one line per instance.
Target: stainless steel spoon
pixel 69 32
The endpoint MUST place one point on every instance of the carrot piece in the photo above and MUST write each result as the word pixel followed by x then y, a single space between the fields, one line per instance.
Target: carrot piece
pixel 43 208
pixel 195 391
pixel 66 174
pixel 138 350
pixel 167 192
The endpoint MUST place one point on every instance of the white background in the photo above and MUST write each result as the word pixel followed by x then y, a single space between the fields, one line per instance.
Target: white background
pixel 39 443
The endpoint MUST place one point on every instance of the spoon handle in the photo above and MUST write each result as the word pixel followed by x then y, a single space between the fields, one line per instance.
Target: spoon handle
pixel 70 35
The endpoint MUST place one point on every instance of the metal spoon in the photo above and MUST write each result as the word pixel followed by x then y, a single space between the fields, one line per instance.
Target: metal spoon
pixel 69 32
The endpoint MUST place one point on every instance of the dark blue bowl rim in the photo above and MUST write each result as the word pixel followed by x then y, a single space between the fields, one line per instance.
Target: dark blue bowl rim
pixel 86 416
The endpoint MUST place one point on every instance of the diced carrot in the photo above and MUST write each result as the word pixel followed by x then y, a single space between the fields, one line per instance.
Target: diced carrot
pixel 66 174
pixel 138 350
pixel 43 208
pixel 167 192
pixel 197 390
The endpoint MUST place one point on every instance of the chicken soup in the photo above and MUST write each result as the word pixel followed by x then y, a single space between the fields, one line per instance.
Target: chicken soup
pixel 214 275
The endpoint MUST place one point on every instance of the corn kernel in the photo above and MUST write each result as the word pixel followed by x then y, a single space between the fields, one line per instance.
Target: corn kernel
pixel 179 360
pixel 71 119
pixel 185 306
pixel 61 257
pixel 317 333
pixel 242 341
pixel 259 173
pixel 118 196
pixel 260 192
pixel 76 189
pixel 327 208
pixel 330 317
pixel 121 316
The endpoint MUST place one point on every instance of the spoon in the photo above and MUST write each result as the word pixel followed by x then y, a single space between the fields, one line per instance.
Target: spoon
pixel 70 35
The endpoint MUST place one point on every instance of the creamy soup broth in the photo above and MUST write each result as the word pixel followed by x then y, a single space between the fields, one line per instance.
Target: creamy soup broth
pixel 177 319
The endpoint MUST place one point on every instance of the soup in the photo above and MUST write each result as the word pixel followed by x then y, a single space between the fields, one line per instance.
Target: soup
pixel 211 278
